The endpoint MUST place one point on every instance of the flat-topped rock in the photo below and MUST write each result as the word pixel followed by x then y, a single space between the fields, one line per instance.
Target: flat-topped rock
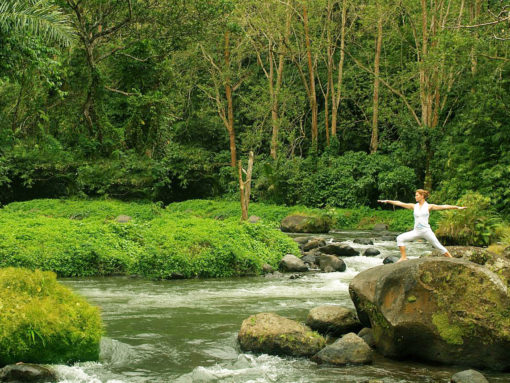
pixel 270 333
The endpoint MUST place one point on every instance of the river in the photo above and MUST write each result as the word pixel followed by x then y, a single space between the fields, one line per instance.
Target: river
pixel 185 331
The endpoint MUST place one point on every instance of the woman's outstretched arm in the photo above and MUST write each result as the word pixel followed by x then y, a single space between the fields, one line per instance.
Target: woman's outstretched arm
pixel 397 203
pixel 446 207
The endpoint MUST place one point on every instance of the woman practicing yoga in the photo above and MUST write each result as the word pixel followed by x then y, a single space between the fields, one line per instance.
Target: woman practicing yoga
pixel 421 222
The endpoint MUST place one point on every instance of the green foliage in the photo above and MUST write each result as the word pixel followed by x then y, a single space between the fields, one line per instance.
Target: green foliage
pixel 354 179
pixel 39 17
pixel 82 238
pixel 477 225
pixel 43 321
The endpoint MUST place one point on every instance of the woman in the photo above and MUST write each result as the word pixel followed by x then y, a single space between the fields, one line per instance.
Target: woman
pixel 421 222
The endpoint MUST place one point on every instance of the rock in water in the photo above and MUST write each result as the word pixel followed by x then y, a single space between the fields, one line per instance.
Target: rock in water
pixel 272 334
pixel 332 263
pixel 371 252
pixel 339 250
pixel 390 259
pixel 313 244
pixel 350 349
pixel 333 320
pixel 291 263
pixel 437 309
pixel 468 376
pixel 26 373
pixel 367 335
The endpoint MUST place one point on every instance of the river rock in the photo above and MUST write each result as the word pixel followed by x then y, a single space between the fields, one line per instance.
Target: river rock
pixel 333 320
pixel 26 373
pixel 371 252
pixel 310 258
pixel 291 263
pixel 123 218
pixel 363 241
pixel 437 309
pixel 367 334
pixel 468 376
pixel 390 259
pixel 350 349
pixel 339 249
pixel 266 268
pixel 272 334
pixel 380 227
pixel 313 244
pixel 275 274
pixel 388 238
pixel 330 263
pixel 304 224
pixel 301 240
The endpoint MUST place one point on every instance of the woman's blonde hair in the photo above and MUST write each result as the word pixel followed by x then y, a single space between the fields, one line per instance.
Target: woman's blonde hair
pixel 424 193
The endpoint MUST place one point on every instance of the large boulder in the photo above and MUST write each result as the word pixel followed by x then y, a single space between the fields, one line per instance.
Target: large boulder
pixel 330 263
pixel 272 334
pixel 339 249
pixel 350 349
pixel 291 263
pixel 333 320
pixel 27 373
pixel 438 309
pixel 304 224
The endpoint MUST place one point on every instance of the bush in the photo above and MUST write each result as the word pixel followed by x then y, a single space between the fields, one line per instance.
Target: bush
pixel 477 225
pixel 43 321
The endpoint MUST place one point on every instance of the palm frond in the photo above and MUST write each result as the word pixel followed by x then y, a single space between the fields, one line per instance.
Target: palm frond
pixel 40 17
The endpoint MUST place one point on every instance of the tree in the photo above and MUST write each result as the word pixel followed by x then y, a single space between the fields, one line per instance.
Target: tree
pixel 38 17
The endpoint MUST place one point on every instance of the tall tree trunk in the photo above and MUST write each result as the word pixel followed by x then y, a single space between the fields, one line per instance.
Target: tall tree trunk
pixel 335 98
pixel 279 77
pixel 311 75
pixel 374 142
pixel 230 107
pixel 245 186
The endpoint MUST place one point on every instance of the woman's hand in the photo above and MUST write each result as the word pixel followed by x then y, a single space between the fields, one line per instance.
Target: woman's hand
pixel 382 200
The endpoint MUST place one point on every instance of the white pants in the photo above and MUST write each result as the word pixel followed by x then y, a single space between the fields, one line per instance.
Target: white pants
pixel 427 234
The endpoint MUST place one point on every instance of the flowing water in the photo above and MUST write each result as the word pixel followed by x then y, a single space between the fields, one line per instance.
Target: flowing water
pixel 185 331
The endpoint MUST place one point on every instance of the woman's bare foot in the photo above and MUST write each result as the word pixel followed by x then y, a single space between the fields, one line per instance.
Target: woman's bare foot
pixel 401 259
pixel 448 255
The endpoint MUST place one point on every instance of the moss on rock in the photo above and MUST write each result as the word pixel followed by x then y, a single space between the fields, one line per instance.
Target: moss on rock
pixel 43 321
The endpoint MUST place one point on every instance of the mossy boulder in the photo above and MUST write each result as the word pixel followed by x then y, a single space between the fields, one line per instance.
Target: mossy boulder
pixel 297 223
pixel 42 321
pixel 444 310
pixel 270 333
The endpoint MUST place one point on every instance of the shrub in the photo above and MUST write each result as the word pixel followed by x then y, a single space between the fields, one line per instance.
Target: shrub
pixel 43 321
pixel 477 225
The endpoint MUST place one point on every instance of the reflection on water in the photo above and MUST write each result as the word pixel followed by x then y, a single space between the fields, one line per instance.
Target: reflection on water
pixel 185 331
